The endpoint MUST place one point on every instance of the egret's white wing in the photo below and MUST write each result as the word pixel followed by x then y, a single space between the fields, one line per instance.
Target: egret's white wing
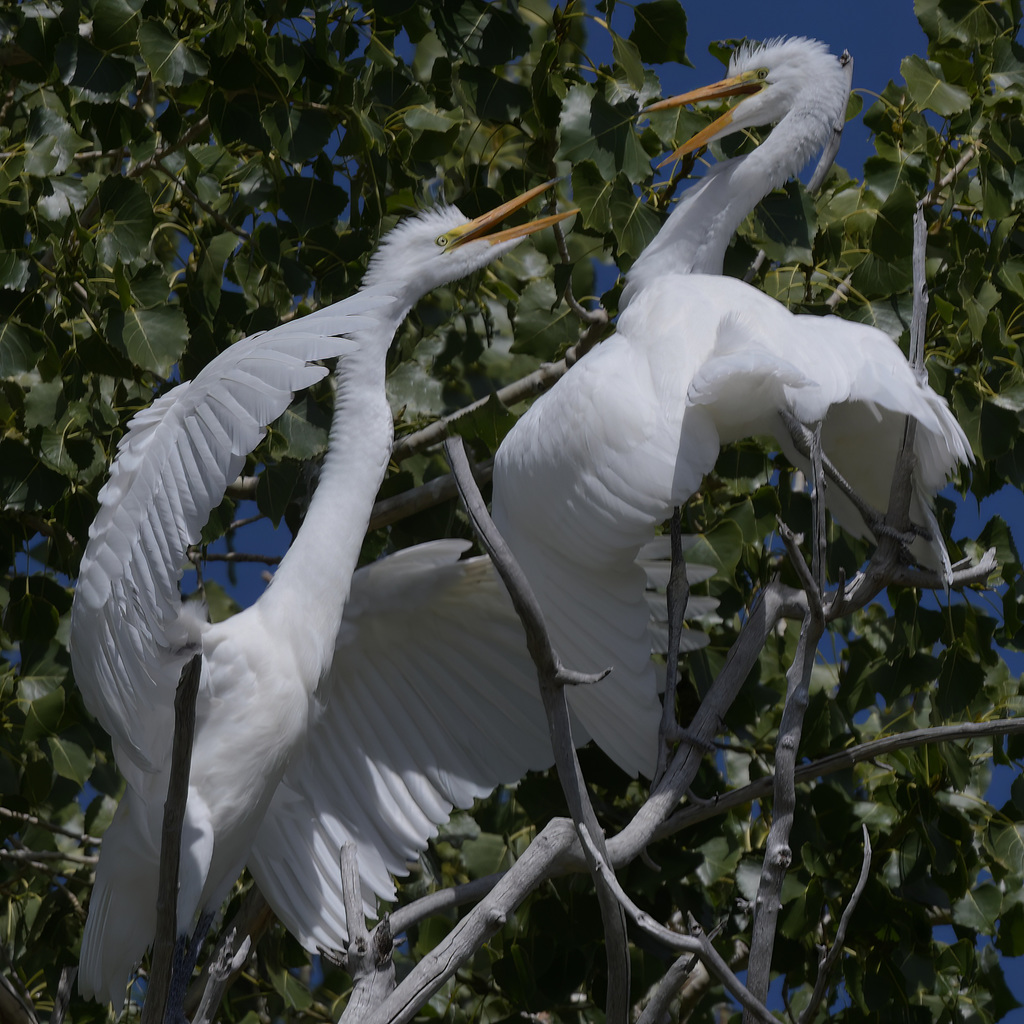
pixel 432 701
pixel 129 638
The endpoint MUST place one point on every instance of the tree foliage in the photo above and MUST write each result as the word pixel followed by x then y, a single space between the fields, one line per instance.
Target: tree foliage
pixel 176 176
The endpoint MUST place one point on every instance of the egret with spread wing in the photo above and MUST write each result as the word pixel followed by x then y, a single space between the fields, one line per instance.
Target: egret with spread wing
pixel 584 477
pixel 261 669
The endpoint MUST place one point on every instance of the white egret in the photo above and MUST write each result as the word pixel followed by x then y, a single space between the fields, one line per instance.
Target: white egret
pixel 584 477
pixel 261 669
pixel 795 84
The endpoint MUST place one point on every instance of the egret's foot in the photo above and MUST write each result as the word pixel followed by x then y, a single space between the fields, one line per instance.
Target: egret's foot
pixel 873 519
pixel 186 954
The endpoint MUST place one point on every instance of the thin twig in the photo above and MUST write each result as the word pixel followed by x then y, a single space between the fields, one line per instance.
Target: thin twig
pixel 539 862
pixel 253 918
pixel 698 945
pixel 31 819
pixel 518 391
pixel 841 761
pixel 828 960
pixel 41 856
pixel 778 855
pixel 444 899
pixel 60 1004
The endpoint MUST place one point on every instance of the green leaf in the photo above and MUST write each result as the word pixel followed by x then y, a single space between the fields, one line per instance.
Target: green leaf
pixel 126 221
pixel 95 75
pixel 301 432
pixel 929 88
pixel 51 143
pixel 43 715
pixel 276 487
pixel 628 58
pixel 790 224
pixel 965 21
pixel 594 129
pixel 493 98
pixel 70 761
pixel 979 909
pixel 25 484
pixel 591 192
pixel 153 339
pixel 484 855
pixel 115 23
pixel 659 32
pixel 1010 939
pixel 635 224
pixel 17 355
pixel 489 423
pixel 310 202
pixel 541 330
pixel 169 59
pixel 719 858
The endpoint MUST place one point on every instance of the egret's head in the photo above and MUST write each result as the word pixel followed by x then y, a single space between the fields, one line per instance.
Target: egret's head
pixel 784 78
pixel 439 245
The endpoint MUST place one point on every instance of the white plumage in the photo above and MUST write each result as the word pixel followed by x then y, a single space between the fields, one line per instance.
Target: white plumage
pixel 584 477
pixel 267 671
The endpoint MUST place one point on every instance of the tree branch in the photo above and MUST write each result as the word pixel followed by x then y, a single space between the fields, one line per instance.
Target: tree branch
pixel 368 958
pixel 540 861
pixel 553 678
pixel 170 842
pixel 841 761
pixel 699 945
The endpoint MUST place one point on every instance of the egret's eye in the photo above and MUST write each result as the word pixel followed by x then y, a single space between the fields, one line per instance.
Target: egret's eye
pixel 441 240
pixel 762 74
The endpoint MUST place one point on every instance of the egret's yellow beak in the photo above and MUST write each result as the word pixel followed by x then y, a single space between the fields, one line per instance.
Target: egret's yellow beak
pixel 747 84
pixel 480 226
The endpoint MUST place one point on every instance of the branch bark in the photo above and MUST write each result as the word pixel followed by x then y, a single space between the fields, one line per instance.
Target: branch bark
pixel 368 958
pixel 553 677
pixel 170 842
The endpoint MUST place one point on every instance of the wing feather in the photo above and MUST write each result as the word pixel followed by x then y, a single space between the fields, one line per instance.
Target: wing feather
pixel 431 701
pixel 128 638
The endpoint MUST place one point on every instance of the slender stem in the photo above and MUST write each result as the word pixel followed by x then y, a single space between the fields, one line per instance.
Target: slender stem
pixel 838 762
pixel 828 960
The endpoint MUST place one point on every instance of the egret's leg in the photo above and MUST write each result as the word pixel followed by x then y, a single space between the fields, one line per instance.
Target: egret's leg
pixel 186 953
pixel 873 519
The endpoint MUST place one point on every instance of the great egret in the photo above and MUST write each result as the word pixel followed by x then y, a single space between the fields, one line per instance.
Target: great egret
pixel 628 433
pixel 795 82
pixel 261 669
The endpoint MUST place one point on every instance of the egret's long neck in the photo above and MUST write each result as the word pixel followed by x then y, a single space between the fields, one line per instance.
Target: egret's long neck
pixel 697 233
pixel 311 586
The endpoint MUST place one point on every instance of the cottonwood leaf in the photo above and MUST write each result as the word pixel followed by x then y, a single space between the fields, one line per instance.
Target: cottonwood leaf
pixel 169 59
pixel 541 330
pixel 153 339
pixel 659 32
pixel 70 761
pixel 929 88
pixel 126 221
pixel 635 224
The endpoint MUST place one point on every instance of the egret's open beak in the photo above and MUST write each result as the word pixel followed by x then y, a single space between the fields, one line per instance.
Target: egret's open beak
pixel 480 226
pixel 739 85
